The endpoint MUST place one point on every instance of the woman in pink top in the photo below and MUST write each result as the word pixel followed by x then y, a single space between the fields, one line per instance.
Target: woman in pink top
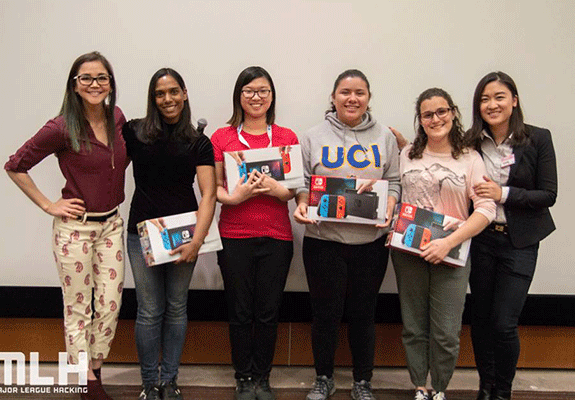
pixel 87 237
pixel 256 234
pixel 437 173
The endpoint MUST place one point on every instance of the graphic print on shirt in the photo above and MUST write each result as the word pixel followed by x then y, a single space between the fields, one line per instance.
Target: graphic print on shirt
pixel 357 156
pixel 422 188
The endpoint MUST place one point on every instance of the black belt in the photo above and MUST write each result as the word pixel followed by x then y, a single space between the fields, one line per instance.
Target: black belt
pixel 98 218
pixel 499 228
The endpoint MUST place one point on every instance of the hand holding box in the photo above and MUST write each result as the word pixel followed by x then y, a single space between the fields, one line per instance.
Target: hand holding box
pixel 349 200
pixel 159 236
pixel 415 227
pixel 284 164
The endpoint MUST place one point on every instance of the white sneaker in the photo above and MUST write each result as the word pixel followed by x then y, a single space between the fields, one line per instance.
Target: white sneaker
pixel 421 395
pixel 439 396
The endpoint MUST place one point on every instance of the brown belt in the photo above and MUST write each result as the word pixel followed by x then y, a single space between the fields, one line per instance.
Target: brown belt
pixel 499 228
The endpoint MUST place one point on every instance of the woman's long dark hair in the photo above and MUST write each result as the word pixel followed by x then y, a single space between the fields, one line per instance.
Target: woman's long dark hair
pixel 153 125
pixel 245 77
pixel 516 124
pixel 455 135
pixel 73 108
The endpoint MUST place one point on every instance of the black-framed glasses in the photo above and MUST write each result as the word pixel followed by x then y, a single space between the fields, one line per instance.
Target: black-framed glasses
pixel 262 93
pixel 440 112
pixel 87 80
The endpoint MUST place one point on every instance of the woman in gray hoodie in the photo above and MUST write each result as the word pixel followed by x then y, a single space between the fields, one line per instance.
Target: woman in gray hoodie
pixel 345 263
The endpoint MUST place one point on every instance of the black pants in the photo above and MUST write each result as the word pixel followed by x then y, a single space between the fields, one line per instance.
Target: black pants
pixel 343 277
pixel 255 272
pixel 500 278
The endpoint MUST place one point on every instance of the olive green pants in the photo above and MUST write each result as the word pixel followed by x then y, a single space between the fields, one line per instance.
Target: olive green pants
pixel 432 299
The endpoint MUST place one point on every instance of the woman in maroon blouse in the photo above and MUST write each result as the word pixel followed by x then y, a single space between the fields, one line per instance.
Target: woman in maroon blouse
pixel 87 237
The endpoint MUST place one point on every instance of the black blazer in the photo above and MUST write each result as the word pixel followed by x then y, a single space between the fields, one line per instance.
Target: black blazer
pixel 532 189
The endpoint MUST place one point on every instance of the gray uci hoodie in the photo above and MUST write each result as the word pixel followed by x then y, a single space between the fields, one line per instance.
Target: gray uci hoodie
pixel 368 150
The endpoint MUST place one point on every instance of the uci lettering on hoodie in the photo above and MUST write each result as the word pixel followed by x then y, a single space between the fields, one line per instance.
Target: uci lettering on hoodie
pixel 334 157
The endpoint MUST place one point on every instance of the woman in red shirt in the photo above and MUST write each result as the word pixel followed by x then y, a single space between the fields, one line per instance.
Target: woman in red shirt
pixel 256 234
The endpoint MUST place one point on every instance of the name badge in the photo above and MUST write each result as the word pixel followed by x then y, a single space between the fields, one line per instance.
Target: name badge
pixel 507 161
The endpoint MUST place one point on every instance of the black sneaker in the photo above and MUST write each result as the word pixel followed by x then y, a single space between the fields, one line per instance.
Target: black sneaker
pixel 264 391
pixel 245 389
pixel 149 392
pixel 169 390
pixel 322 389
pixel 362 391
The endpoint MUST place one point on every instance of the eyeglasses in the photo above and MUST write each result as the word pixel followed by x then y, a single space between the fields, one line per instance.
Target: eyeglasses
pixel 440 112
pixel 87 80
pixel 262 93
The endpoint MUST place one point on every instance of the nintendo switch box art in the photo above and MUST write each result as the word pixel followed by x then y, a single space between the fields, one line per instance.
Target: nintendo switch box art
pixel 159 236
pixel 284 164
pixel 337 199
pixel 414 227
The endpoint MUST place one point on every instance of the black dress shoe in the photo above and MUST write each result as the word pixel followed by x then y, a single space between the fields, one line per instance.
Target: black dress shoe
pixel 497 395
pixel 484 394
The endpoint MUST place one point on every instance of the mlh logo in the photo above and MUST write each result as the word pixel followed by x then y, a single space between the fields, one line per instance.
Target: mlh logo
pixel 407 211
pixel 81 369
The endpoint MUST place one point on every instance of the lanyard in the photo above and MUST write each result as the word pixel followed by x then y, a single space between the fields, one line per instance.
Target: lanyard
pixel 243 140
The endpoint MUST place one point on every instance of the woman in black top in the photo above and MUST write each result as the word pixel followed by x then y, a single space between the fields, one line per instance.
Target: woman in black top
pixel 167 152
pixel 520 161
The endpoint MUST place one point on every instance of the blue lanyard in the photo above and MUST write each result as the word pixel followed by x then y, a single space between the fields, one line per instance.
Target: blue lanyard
pixel 243 140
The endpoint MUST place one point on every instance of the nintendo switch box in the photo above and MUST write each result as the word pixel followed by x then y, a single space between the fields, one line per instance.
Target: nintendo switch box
pixel 337 199
pixel 159 236
pixel 414 227
pixel 284 164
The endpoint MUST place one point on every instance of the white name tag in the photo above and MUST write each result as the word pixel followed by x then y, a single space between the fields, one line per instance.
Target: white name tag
pixel 507 161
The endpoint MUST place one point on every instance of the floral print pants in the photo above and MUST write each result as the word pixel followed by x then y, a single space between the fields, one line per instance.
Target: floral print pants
pixel 90 261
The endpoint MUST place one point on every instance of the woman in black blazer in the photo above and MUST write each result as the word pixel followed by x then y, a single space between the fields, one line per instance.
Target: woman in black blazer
pixel 520 161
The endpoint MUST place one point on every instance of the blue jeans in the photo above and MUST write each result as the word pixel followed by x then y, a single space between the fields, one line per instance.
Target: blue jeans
pixel 162 320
